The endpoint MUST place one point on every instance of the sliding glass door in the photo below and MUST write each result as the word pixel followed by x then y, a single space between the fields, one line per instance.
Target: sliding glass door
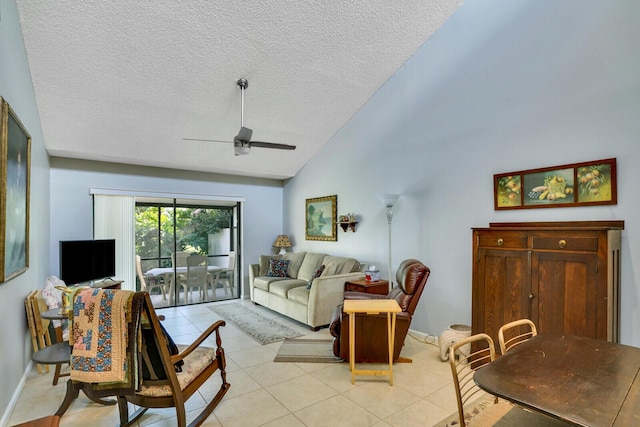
pixel 171 233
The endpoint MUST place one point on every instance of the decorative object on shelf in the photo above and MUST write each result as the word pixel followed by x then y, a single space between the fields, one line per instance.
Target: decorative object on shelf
pixel 348 222
pixel 576 184
pixel 15 167
pixel 281 243
pixel 389 200
pixel 321 218
pixel 452 335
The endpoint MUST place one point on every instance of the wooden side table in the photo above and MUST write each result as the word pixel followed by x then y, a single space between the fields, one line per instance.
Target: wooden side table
pixel 380 287
pixel 56 354
pixel 374 306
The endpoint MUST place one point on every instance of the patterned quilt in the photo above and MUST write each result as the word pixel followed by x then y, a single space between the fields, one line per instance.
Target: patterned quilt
pixel 99 336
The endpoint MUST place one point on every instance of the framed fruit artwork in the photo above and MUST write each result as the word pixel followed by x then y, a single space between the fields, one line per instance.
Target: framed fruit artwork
pixel 576 184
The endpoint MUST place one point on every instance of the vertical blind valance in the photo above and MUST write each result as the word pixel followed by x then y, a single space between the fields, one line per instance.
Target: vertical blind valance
pixel 114 218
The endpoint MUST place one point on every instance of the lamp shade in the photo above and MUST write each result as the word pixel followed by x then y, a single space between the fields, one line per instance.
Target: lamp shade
pixel 282 241
pixel 389 199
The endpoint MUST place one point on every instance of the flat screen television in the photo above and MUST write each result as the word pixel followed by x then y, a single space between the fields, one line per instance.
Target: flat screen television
pixel 84 261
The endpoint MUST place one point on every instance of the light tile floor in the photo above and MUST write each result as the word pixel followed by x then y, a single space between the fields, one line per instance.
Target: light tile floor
pixel 267 393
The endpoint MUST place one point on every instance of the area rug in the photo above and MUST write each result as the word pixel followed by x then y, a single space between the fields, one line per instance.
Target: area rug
pixel 260 328
pixel 305 350
pixel 469 413
pixel 503 414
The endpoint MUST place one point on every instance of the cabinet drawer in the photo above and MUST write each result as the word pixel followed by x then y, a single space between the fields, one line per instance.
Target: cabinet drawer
pixel 588 244
pixel 502 240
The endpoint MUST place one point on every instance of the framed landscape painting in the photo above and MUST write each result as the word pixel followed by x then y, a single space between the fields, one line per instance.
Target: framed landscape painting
pixel 321 218
pixel 15 164
pixel 576 184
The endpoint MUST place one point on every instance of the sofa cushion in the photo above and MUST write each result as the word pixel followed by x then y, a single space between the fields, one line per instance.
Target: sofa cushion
pixel 339 265
pixel 316 274
pixel 278 268
pixel 299 295
pixel 295 261
pixel 282 287
pixel 264 282
pixel 312 261
pixel 264 263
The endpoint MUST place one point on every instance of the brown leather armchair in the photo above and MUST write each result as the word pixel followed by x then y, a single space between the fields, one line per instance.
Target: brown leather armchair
pixel 371 330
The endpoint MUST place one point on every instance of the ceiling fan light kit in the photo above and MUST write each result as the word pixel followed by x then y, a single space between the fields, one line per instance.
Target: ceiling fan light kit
pixel 242 141
pixel 241 148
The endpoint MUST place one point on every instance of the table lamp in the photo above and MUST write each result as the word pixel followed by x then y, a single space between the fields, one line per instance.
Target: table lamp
pixel 282 242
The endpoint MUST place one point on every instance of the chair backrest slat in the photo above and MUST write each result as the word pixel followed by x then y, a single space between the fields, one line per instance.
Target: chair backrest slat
pixel 515 333
pixel 464 366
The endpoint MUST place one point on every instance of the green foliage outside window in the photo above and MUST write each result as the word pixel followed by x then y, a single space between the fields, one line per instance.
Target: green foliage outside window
pixel 155 228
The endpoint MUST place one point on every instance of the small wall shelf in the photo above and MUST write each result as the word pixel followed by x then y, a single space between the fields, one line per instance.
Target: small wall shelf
pixel 348 226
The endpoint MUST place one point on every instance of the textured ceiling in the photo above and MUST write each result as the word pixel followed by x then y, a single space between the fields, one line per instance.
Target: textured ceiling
pixel 126 81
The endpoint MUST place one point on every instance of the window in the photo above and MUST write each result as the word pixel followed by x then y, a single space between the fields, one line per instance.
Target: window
pixel 171 226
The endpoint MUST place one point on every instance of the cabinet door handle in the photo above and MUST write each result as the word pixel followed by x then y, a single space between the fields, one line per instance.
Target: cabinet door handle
pixel 500 242
pixel 562 243
pixel 530 295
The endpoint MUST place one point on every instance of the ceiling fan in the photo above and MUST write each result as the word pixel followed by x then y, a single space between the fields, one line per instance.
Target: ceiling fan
pixel 242 142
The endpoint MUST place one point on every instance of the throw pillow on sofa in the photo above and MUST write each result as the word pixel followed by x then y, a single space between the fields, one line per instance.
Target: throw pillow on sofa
pixel 278 267
pixel 316 274
pixel 264 263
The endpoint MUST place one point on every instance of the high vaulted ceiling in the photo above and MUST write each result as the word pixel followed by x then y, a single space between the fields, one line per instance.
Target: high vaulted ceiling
pixel 125 81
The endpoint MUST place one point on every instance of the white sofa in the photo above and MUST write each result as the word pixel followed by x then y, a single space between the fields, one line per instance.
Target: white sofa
pixel 291 295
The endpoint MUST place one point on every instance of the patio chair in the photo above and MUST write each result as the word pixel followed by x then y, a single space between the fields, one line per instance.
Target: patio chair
pixel 225 277
pixel 149 283
pixel 197 277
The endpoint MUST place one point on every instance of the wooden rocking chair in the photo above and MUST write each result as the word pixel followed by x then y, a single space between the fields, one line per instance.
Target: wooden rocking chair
pixel 161 385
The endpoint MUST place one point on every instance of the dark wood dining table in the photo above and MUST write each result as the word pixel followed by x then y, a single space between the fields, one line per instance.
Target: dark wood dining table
pixel 582 381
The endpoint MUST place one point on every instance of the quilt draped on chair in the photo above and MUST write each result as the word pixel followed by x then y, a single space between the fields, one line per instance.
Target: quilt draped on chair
pixel 104 348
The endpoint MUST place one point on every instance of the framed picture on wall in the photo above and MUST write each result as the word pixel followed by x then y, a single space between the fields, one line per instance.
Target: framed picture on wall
pixel 575 184
pixel 321 219
pixel 15 164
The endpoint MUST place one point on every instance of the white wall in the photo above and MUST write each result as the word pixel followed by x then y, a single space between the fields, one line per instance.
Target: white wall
pixel 502 86
pixel 71 205
pixel 16 89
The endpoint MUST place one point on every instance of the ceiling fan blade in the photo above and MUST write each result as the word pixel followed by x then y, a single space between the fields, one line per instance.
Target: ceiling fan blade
pixel 242 141
pixel 272 145
pixel 206 140
pixel 244 134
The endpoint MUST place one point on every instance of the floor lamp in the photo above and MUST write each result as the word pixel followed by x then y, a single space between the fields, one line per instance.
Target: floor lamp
pixel 389 200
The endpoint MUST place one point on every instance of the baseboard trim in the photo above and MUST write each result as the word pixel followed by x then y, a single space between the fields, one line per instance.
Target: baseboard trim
pixel 4 421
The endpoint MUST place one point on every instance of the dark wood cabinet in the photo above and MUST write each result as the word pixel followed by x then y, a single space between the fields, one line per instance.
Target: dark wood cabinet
pixel 562 275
